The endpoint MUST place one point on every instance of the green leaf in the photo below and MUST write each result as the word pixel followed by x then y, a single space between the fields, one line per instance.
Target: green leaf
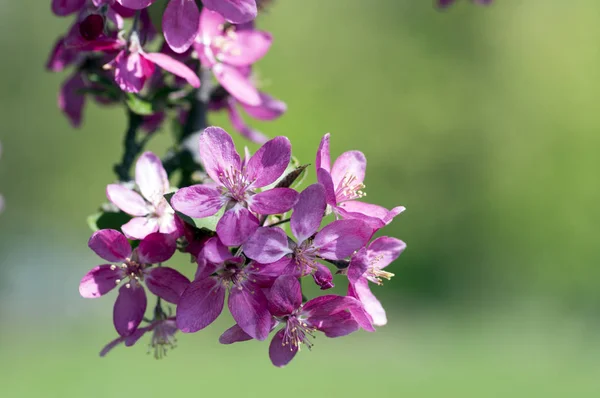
pixel 107 220
pixel 139 105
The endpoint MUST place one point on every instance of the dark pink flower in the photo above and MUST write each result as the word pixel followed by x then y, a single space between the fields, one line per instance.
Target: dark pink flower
pixel 179 23
pixel 218 272
pixel 344 184
pixel 132 268
pixel 163 337
pixel 336 241
pixel 134 66
pixel 237 183
pixel 71 99
pixel 367 265
pixel 228 50
pixel 234 11
pixel 151 210
pixel 328 314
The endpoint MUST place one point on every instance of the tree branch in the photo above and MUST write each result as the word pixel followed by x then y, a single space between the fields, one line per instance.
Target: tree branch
pixel 131 147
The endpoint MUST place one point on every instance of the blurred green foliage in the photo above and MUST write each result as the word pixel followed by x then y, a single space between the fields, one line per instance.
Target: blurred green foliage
pixel 481 121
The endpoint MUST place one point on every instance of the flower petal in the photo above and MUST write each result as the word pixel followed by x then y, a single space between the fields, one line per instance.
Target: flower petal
pixel 370 303
pixel 234 334
pixel 360 315
pixel 197 201
pixel 180 24
pixel 267 245
pixel 269 162
pixel 98 281
pixel 70 99
pixel 308 212
pixel 235 11
pixel 129 309
pixel 323 160
pixel 336 325
pixel 110 244
pixel 249 308
pixel 324 178
pixel 127 200
pixel 324 306
pixel 236 226
pixel 280 353
pixel 352 163
pixel 265 275
pixel 269 108
pixel 140 227
pixel 151 177
pixel 236 84
pixel 384 250
pixel 63 8
pixel 166 283
pixel 156 248
pixel 285 296
pixel 200 304
pixel 273 201
pixel 240 125
pixel 341 238
pixel 131 71
pixel 248 46
pixel 358 265
pixel 374 215
pixel 175 67
pixel 218 153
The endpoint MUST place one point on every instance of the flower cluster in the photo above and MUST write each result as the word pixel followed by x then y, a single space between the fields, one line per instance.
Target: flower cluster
pixel 254 237
pixel 249 259
pixel 113 64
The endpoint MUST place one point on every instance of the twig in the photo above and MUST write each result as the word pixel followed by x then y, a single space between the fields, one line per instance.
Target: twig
pixel 131 147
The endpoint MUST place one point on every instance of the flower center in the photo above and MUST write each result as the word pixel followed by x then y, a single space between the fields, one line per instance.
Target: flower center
pixel 225 44
pixel 306 257
pixel 349 189
pixel 233 276
pixel 297 332
pixel 236 184
pixel 130 270
pixel 374 273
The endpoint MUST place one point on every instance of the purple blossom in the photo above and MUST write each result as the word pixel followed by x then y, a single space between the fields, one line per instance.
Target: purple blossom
pixel 179 23
pixel 237 182
pixel 132 268
pixel 163 337
pixel 228 50
pixel 151 210
pixel 344 184
pixel 336 241
pixel 71 100
pixel 327 314
pixel 133 66
pixel 63 8
pixel 367 265
pixel 218 272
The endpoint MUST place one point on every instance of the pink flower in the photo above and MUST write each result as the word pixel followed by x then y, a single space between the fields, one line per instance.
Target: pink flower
pixel 218 272
pixel 71 99
pixel 336 241
pixel 133 268
pixel 367 265
pixel 134 66
pixel 237 183
pixel 328 314
pixel 344 184
pixel 151 210
pixel 179 23
pixel 228 50
pixel 63 8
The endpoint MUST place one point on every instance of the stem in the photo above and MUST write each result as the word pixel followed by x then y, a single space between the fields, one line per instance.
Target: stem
pixel 187 157
pixel 280 222
pixel 131 147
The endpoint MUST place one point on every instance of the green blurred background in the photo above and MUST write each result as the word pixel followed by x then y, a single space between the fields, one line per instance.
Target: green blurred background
pixel 483 122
